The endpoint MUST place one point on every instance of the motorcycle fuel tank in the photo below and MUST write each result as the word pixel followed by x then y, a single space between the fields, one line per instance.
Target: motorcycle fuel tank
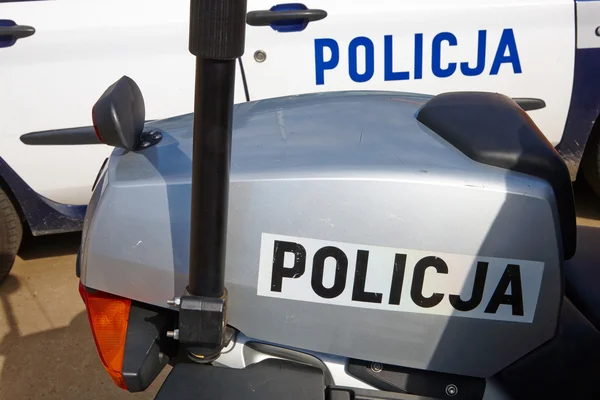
pixel 353 230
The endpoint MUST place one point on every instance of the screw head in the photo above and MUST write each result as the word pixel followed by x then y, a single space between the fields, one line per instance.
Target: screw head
pixel 174 301
pixel 598 31
pixel 173 334
pixel 260 56
pixel 376 367
pixel 451 390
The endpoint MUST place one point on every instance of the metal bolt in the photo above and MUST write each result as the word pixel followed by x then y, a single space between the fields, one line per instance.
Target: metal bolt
pixel 376 367
pixel 173 334
pixel 174 301
pixel 598 31
pixel 260 56
pixel 451 390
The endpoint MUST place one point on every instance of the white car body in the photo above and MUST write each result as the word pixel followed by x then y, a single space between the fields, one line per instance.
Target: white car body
pixel 521 48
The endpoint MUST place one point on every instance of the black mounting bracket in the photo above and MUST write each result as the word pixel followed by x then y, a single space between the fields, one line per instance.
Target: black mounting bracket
pixel 202 327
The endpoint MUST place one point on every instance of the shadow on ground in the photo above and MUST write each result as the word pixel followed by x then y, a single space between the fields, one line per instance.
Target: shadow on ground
pixel 49 246
pixel 58 363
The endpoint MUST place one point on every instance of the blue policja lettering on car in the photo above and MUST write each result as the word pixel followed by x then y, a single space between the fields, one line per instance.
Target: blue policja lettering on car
pixel 506 53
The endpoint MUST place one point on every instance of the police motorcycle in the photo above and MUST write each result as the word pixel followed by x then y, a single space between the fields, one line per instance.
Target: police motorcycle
pixel 341 246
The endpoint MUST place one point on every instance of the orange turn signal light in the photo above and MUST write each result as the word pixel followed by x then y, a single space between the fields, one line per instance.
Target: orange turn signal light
pixel 108 316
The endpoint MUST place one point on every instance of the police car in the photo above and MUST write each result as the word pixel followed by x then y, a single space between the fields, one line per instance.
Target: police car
pixel 57 57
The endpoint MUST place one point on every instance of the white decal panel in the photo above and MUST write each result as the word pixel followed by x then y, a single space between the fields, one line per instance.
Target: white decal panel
pixel 401 280
pixel 588 24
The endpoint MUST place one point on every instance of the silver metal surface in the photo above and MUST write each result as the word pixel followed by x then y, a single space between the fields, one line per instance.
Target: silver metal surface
pixel 451 390
pixel 240 353
pixel 260 56
pixel 173 334
pixel 174 302
pixel 346 167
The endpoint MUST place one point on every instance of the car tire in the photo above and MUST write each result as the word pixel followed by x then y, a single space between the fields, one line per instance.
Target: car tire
pixel 591 162
pixel 11 234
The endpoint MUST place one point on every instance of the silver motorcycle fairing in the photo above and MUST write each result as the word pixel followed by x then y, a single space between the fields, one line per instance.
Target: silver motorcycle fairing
pixel 351 168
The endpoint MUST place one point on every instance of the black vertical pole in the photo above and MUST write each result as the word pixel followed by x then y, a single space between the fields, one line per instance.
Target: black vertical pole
pixel 217 34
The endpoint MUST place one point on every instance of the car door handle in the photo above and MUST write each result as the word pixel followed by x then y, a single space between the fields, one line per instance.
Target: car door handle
pixel 267 17
pixel 10 32
pixel 17 31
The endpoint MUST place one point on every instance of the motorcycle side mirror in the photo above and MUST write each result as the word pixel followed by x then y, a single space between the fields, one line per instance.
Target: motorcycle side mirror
pixel 119 114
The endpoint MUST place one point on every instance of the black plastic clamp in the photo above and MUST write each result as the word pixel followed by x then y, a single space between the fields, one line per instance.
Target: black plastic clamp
pixel 202 326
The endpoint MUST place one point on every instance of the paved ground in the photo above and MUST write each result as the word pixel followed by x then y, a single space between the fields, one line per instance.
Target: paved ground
pixel 46 349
